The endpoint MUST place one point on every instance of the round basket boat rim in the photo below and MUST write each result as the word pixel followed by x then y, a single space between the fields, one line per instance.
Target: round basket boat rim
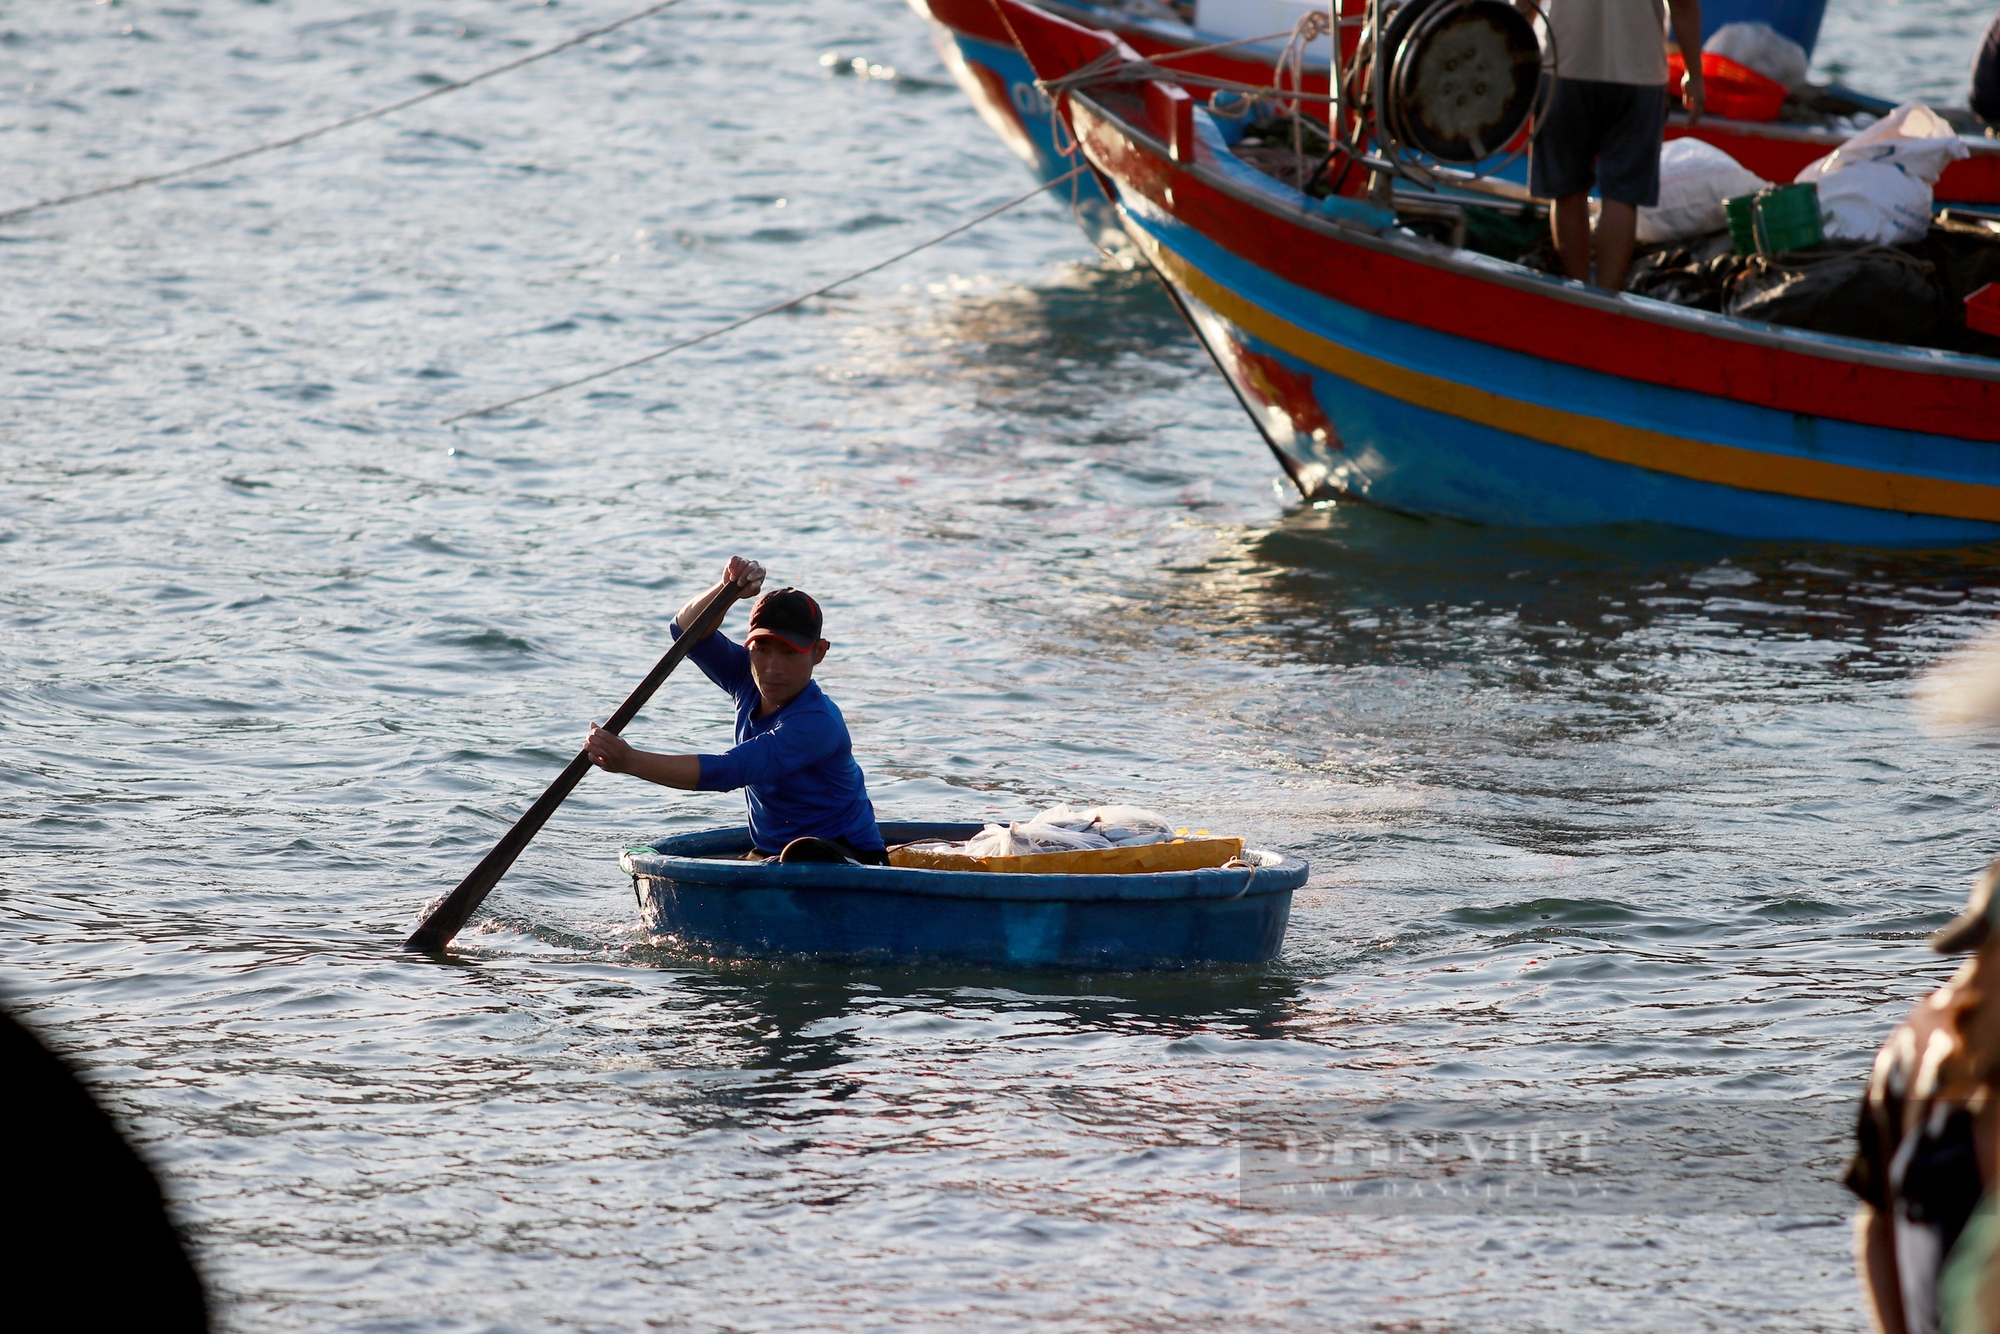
pixel 701 857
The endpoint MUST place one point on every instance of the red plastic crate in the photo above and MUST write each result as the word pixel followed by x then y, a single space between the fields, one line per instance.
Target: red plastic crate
pixel 1982 310
pixel 1735 92
pixel 1738 93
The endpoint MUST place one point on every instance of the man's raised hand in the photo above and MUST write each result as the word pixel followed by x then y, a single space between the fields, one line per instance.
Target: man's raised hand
pixel 747 575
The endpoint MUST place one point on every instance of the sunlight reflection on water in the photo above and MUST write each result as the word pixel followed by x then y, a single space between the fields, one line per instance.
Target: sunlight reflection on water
pixel 1612 812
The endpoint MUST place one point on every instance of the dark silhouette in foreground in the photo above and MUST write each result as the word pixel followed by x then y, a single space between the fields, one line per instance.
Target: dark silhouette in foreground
pixel 86 1224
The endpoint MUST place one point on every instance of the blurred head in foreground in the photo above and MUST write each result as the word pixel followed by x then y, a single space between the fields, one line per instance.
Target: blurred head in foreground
pixel 1964 689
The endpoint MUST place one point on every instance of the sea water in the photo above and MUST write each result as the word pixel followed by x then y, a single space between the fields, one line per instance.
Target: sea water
pixel 1612 815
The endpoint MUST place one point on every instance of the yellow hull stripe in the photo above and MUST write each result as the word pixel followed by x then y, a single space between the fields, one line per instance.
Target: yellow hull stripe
pixel 1747 469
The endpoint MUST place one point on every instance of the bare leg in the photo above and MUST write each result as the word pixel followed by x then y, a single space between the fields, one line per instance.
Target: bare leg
pixel 1569 220
pixel 1617 232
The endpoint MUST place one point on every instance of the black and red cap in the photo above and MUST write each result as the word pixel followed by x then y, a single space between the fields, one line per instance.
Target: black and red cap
pixel 785 614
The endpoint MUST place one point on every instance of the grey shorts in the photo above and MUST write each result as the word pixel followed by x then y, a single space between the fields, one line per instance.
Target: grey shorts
pixel 1601 134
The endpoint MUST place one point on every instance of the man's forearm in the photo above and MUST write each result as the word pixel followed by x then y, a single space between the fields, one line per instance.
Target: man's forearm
pixel 1686 16
pixel 1687 35
pixel 687 615
pixel 681 771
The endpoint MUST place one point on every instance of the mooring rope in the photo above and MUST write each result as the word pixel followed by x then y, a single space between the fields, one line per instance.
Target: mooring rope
pixel 1113 68
pixel 1182 53
pixel 786 304
pixel 177 173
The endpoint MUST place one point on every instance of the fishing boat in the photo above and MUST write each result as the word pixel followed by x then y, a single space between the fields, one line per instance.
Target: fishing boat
pixel 697 890
pixel 1432 379
pixel 987 63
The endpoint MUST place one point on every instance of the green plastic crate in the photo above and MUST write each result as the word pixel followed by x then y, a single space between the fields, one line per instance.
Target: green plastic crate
pixel 1742 214
pixel 1788 218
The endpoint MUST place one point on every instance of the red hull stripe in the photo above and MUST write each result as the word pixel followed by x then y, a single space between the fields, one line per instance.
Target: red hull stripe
pixel 1749 470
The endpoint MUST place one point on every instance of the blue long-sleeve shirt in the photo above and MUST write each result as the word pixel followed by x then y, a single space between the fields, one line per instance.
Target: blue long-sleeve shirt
pixel 796 766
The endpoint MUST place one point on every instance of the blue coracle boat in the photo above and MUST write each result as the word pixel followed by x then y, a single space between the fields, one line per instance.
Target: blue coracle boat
pixel 694 888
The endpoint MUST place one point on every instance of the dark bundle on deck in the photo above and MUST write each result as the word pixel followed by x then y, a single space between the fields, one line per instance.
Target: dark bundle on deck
pixel 1909 294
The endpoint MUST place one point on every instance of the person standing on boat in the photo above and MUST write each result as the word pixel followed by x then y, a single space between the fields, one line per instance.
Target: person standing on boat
pixel 793 758
pixel 1604 122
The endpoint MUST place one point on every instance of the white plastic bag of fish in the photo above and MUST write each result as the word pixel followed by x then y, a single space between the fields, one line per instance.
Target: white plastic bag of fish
pixel 1877 186
pixel 1064 828
pixel 1760 47
pixel 1695 177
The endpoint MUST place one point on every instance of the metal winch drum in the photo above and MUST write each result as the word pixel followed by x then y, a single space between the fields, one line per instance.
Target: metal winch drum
pixel 1462 76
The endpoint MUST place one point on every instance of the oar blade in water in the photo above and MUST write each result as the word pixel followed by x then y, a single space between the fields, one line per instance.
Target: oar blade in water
pixel 444 921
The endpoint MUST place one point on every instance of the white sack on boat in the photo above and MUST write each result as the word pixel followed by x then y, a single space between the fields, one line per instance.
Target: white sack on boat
pixel 1695 178
pixel 1877 186
pixel 1760 47
pixel 1915 138
pixel 1874 201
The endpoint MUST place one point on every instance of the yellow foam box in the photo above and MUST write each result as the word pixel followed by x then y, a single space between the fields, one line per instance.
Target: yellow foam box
pixel 1183 854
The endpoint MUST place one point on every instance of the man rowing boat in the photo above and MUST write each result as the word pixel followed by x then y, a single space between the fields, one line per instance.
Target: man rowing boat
pixel 793 757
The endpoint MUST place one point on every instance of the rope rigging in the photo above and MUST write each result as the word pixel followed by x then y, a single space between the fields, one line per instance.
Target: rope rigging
pixel 177 173
pixel 1358 91
pixel 784 305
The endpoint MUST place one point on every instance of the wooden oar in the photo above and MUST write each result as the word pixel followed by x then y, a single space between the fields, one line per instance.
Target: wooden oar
pixel 446 919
